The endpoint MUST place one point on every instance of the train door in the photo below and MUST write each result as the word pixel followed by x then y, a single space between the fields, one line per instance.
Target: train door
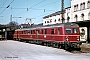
pixel 17 35
pixel 36 34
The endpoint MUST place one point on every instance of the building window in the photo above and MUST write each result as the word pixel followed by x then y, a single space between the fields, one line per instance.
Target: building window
pixel 82 16
pixel 76 7
pixel 82 32
pixel 82 6
pixel 89 15
pixel 88 4
pixel 45 22
pixel 68 18
pixel 76 17
pixel 59 19
pixel 50 21
pixel 55 20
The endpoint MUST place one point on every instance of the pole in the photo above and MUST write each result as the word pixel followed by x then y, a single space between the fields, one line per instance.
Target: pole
pixel 11 18
pixel 62 10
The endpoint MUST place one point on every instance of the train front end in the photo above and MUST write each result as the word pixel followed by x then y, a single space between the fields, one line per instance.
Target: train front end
pixel 72 37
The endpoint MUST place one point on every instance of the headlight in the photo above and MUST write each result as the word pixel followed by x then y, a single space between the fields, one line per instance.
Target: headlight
pixel 78 38
pixel 66 39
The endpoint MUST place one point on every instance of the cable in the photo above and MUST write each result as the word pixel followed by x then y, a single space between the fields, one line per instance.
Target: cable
pixel 37 3
pixel 21 3
pixel 6 7
pixel 49 3
pixel 31 7
pixel 37 9
pixel 3 4
pixel 21 13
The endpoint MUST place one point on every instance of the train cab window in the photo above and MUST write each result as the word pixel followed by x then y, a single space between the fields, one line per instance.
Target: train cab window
pixel 52 31
pixel 58 31
pixel 68 30
pixel 75 30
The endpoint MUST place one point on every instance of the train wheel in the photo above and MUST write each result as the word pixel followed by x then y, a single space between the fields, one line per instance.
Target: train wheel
pixel 59 46
pixel 66 47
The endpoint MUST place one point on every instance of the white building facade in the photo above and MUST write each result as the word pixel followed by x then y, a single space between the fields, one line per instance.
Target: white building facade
pixel 80 11
pixel 56 17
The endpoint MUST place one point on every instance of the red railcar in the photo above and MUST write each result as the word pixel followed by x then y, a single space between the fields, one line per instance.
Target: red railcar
pixel 64 35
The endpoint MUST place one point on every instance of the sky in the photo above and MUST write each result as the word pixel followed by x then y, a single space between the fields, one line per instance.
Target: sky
pixel 31 9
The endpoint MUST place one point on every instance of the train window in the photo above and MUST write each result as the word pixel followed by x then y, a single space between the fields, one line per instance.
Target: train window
pixel 52 31
pixel 45 31
pixel 75 30
pixel 42 32
pixel 58 31
pixel 68 30
pixel 31 31
pixel 22 32
pixel 38 31
pixel 28 32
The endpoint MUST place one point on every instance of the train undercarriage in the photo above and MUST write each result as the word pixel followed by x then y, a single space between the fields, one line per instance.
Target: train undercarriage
pixel 68 46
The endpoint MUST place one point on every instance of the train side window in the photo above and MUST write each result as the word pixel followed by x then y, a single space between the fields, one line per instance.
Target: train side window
pixel 22 32
pixel 45 31
pixel 42 32
pixel 38 31
pixel 31 31
pixel 52 31
pixel 58 31
pixel 28 32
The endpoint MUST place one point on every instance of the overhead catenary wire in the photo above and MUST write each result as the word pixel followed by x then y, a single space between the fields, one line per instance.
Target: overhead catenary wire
pixel 37 4
pixel 49 3
pixel 33 9
pixel 6 7
pixel 3 4
pixel 32 6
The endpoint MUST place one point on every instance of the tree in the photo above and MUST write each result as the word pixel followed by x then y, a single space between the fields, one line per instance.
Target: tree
pixel 13 25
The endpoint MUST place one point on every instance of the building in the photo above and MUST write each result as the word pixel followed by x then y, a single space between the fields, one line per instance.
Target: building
pixel 79 13
pixel 55 18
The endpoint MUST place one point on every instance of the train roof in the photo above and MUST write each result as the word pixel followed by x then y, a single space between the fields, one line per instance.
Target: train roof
pixel 49 26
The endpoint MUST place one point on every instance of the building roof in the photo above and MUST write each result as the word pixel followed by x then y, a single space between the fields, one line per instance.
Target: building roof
pixel 2 26
pixel 56 13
